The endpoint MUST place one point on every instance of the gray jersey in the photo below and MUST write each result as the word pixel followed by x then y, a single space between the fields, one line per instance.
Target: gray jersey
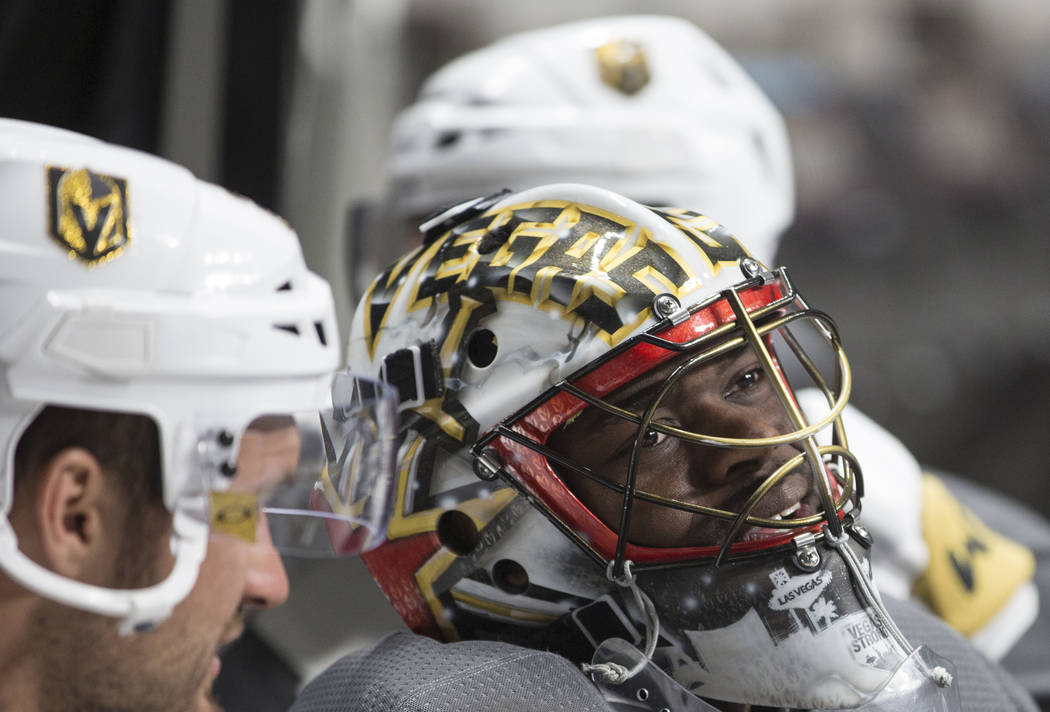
pixel 1029 659
pixel 408 673
pixel 983 685
pixel 412 673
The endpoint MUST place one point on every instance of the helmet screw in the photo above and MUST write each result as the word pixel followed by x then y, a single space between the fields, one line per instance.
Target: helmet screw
pixel 228 469
pixel 807 558
pixel 487 465
pixel 665 305
pixel 862 535
pixel 225 438
pixel 750 267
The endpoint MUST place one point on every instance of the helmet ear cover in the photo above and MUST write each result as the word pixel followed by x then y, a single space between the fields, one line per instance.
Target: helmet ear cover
pixel 521 440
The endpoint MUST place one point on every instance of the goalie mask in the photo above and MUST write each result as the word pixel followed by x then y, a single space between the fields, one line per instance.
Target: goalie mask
pixel 602 451
pixel 130 286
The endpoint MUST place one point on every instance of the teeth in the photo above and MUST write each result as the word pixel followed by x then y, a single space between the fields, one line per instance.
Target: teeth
pixel 787 512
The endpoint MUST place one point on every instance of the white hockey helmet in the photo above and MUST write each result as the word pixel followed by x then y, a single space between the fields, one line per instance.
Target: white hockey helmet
pixel 129 285
pixel 647 106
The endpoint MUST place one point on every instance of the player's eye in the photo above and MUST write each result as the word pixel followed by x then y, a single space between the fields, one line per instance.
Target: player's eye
pixel 744 382
pixel 652 437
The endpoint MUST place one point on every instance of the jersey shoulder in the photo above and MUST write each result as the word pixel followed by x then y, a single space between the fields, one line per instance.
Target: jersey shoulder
pixel 409 673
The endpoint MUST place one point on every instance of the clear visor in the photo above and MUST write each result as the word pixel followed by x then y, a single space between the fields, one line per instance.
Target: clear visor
pixel 710 446
pixel 923 681
pixel 376 236
pixel 314 483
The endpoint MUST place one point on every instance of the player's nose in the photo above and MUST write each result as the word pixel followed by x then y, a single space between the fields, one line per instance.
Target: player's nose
pixel 266 582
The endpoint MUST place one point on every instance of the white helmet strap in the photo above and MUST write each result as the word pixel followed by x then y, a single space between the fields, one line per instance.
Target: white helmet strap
pixel 138 609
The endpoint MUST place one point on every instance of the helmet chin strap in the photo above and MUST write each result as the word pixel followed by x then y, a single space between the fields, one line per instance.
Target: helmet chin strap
pixel 137 610
pixel 614 673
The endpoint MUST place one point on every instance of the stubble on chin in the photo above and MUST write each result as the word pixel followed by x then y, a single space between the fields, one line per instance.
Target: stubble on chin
pixel 206 701
pixel 89 667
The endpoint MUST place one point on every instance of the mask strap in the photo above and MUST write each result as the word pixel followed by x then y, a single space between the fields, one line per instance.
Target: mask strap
pixel 614 673
pixel 868 593
pixel 940 675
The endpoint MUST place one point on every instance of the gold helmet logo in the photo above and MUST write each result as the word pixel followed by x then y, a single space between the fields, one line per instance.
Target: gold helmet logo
pixel 623 66
pixel 87 213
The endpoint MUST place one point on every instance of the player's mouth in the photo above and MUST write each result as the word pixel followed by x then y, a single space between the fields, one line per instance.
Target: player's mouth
pixel 793 498
pixel 230 634
pixel 788 512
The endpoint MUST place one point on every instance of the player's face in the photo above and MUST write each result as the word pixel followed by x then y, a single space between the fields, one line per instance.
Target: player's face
pixel 172 668
pixel 728 397
pixel 237 574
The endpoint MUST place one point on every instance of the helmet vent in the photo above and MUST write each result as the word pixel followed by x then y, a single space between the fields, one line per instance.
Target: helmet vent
pixel 290 328
pixel 319 328
pixel 482 348
pixel 286 287
pixel 510 576
pixel 447 139
pixel 457 532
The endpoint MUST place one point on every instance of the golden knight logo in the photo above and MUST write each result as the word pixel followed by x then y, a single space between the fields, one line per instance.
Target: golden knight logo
pixel 88 213
pixel 623 66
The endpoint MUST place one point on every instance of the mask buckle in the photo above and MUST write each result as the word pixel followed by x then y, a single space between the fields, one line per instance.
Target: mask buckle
pixel 415 372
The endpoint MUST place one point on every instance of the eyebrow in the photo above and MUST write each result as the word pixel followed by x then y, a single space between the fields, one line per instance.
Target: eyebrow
pixel 652 381
pixel 641 396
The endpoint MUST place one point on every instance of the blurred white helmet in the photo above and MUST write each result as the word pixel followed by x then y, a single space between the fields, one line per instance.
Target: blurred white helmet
pixel 129 285
pixel 647 106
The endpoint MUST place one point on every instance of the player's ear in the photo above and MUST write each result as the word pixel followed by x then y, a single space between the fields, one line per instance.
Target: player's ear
pixel 69 506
